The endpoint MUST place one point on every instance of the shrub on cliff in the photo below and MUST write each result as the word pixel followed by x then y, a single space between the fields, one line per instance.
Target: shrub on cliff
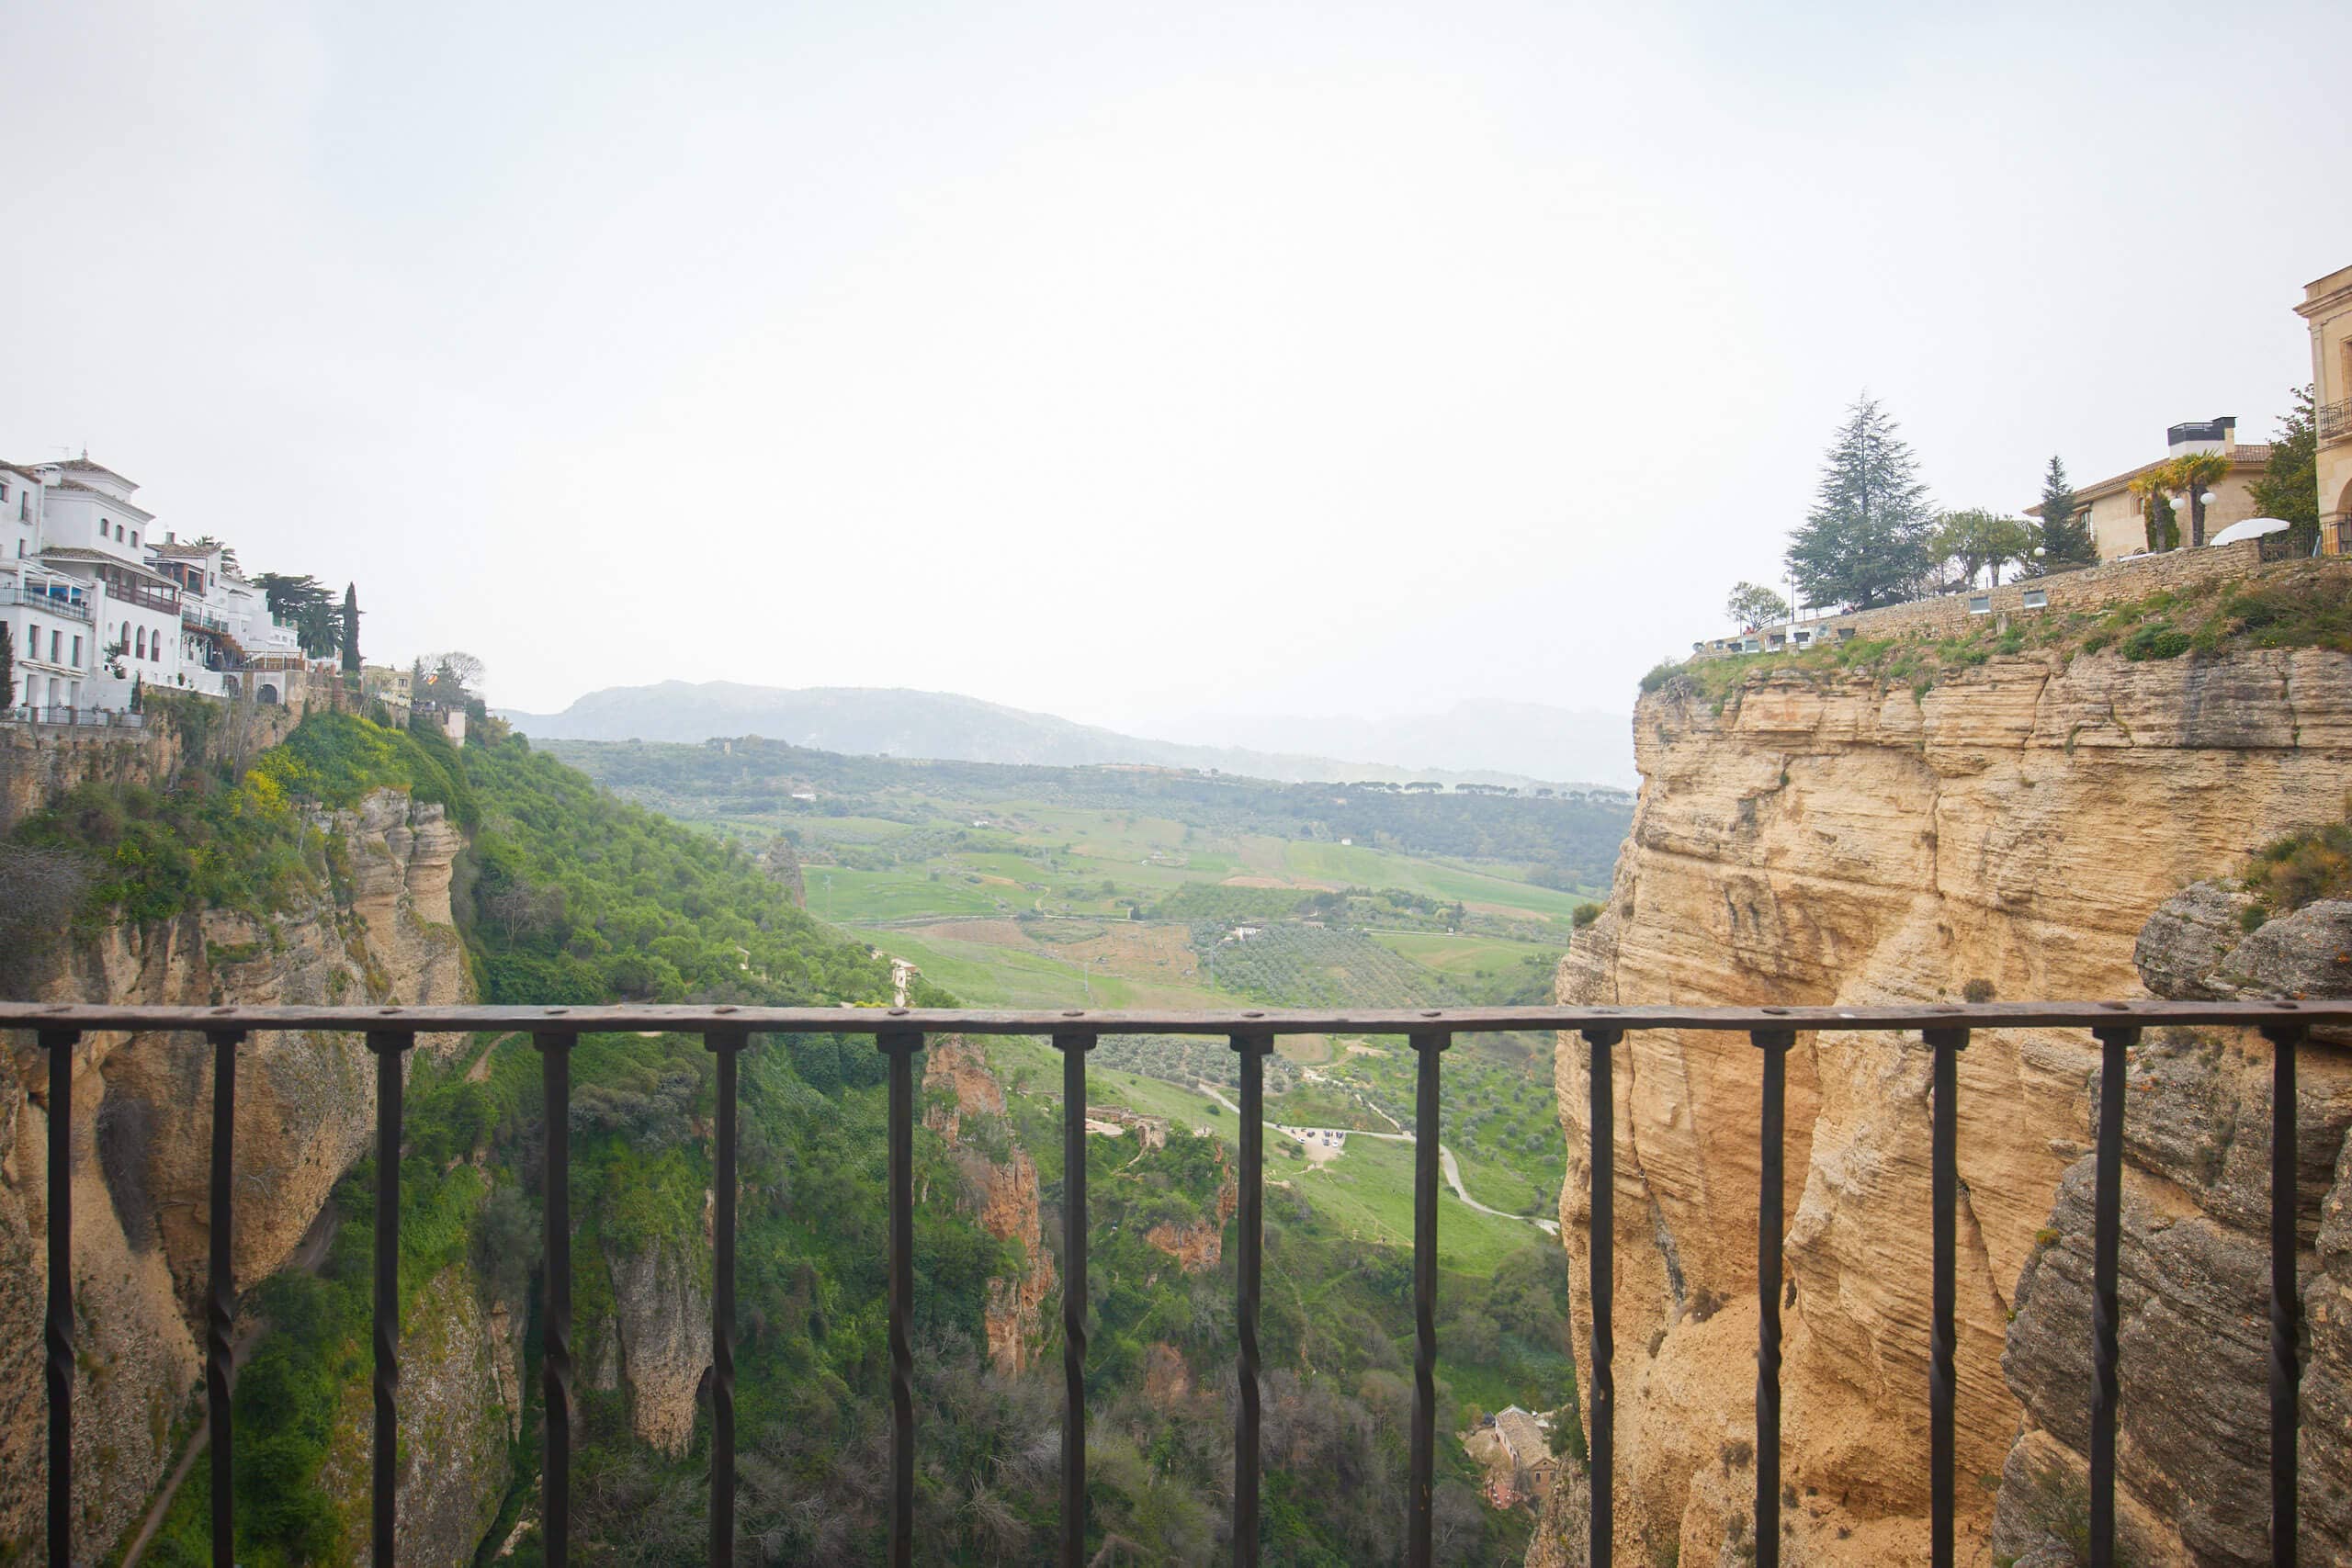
pixel 2303 867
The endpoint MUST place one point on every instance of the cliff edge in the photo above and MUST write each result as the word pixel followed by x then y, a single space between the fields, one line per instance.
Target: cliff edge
pixel 1820 834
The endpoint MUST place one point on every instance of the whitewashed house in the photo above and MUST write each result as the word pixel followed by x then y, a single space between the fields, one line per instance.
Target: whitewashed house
pixel 225 622
pixel 47 611
pixel 94 533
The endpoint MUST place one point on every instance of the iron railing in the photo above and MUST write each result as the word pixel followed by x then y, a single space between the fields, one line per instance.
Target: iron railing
pixel 2335 420
pixel 900 1032
pixel 69 718
pixel 70 604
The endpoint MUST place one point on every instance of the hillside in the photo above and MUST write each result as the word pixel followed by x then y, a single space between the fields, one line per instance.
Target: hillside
pixel 358 861
pixel 876 721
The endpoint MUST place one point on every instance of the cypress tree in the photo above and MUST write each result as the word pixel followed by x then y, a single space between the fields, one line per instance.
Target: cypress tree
pixel 350 628
pixel 1866 541
pixel 2066 539
pixel 7 667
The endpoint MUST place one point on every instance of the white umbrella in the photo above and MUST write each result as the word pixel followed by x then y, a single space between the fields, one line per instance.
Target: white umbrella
pixel 2252 528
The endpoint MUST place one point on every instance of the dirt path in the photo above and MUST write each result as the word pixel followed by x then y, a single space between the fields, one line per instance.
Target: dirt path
pixel 1446 1161
pixel 309 1257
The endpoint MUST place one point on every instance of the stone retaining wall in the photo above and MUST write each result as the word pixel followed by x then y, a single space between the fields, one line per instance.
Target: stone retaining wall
pixel 2091 589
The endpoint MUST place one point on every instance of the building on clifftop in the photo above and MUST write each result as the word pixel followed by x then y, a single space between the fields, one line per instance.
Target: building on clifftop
pixel 2327 306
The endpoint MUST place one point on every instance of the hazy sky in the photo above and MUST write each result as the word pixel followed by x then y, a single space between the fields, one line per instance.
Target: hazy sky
pixel 1127 362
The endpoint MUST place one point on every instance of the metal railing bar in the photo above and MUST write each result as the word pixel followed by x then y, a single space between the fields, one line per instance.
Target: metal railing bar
pixel 2146 1012
pixel 1944 1178
pixel 58 1331
pixel 2107 1229
pixel 390 1048
pixel 1770 1226
pixel 1248 1257
pixel 726 1044
pixel 555 1303
pixel 1073 1048
pixel 899 1046
pixel 219 1296
pixel 2285 1308
pixel 1420 1519
pixel 1600 1043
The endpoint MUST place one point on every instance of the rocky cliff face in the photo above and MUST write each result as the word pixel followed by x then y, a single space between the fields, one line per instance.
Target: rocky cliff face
pixel 2194 1271
pixel 1822 839
pixel 662 1338
pixel 459 1410
pixel 142 1121
pixel 1201 1245
pixel 1003 1190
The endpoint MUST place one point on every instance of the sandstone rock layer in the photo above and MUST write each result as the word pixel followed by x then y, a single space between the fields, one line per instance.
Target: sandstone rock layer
pixel 1824 839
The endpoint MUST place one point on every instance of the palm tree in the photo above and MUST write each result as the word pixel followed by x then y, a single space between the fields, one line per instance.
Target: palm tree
pixel 2196 472
pixel 2150 488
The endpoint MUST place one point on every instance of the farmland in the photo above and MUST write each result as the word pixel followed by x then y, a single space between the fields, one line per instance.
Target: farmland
pixel 1111 887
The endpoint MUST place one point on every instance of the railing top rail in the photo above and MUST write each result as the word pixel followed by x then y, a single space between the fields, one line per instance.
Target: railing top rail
pixel 2146 1013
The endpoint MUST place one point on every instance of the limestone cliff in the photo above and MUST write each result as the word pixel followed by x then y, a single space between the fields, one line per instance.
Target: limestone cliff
pixel 1820 837
pixel 459 1411
pixel 2194 1271
pixel 1001 1186
pixel 661 1328
pixel 379 929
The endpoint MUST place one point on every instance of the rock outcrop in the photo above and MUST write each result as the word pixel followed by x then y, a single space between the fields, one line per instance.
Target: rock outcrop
pixel 2194 1271
pixel 1822 838
pixel 661 1332
pixel 458 1414
pixel 1200 1245
pixel 999 1184
pixel 379 930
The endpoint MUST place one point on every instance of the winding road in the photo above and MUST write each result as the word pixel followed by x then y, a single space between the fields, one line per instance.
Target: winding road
pixel 1446 1161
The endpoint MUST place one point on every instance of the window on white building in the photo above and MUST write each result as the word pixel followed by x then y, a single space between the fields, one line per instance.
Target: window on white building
pixel 134 538
pixel 139 645
pixel 52 645
pixel 77 651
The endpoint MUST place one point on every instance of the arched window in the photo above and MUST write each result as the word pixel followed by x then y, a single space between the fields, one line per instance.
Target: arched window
pixel 139 647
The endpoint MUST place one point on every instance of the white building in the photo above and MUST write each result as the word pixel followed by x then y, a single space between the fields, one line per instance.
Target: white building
pixel 49 613
pixel 95 604
pixel 225 622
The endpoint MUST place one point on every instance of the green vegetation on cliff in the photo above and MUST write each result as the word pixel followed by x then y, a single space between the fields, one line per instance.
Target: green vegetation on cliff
pixel 567 894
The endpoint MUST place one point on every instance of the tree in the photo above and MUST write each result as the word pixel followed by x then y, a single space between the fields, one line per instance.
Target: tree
pixel 1753 605
pixel 7 667
pixel 290 596
pixel 315 629
pixel 1865 542
pixel 350 628
pixel 456 669
pixel 2289 486
pixel 2196 472
pixel 1977 540
pixel 2066 538
pixel 2156 509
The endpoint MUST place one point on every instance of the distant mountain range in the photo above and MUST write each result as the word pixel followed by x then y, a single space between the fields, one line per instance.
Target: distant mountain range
pixel 1499 743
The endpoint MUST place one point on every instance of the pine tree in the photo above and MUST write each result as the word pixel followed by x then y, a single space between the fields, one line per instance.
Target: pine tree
pixel 2067 539
pixel 1866 541
pixel 350 628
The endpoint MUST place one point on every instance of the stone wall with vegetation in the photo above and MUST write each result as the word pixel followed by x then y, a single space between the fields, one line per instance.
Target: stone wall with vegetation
pixel 2096 588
